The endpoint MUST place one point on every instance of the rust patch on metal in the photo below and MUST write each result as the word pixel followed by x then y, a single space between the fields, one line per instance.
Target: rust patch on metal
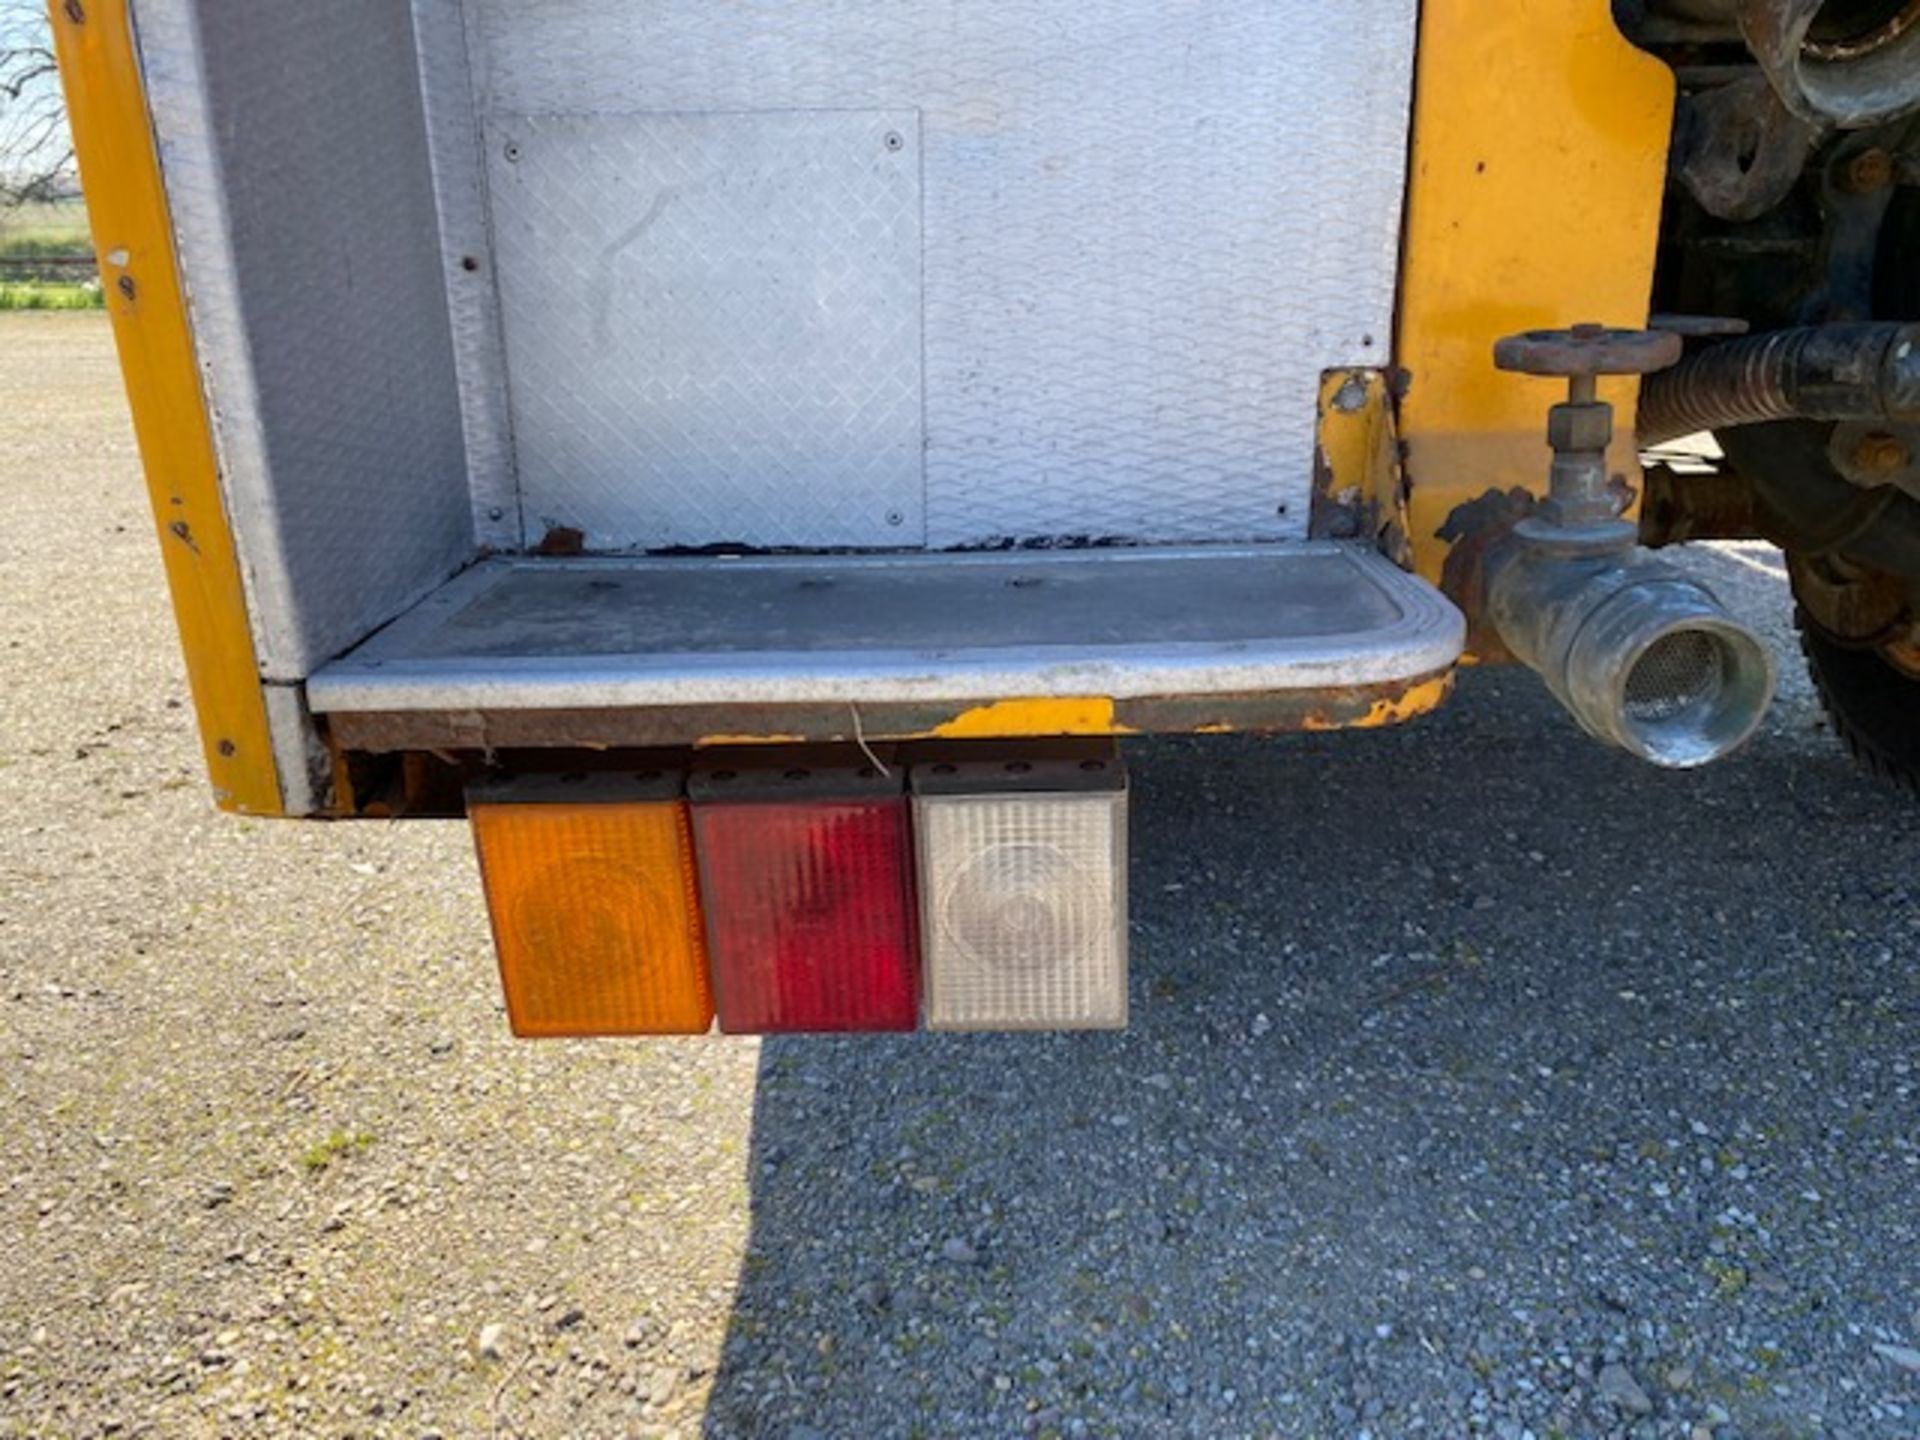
pixel 1342 707
pixel 1738 150
pixel 1709 505
pixel 1586 349
pixel 1855 606
pixel 1472 530
pixel 1785 34
pixel 562 540
pixel 454 732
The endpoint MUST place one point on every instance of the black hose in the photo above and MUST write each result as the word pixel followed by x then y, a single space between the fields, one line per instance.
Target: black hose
pixel 1817 372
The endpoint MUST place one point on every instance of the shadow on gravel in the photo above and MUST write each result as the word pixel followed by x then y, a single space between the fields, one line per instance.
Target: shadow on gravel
pixel 1480 1079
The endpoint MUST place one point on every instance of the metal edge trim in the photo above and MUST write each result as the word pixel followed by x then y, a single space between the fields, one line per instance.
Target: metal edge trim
pixel 127 208
pixel 1129 676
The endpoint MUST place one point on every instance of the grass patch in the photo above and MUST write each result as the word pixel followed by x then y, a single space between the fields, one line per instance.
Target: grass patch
pixel 61 225
pixel 42 247
pixel 1729 1280
pixel 319 1156
pixel 51 295
pixel 34 239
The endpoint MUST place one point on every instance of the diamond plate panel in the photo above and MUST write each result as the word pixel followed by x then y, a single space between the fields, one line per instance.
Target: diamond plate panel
pixel 1148 224
pixel 295 155
pixel 712 325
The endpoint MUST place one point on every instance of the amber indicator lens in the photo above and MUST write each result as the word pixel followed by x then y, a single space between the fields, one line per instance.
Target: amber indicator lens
pixel 591 888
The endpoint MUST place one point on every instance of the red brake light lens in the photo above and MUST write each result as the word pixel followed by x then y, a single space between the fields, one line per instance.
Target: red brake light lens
pixel 811 917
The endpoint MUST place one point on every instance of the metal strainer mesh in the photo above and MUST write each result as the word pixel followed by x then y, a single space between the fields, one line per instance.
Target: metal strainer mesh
pixel 1678 672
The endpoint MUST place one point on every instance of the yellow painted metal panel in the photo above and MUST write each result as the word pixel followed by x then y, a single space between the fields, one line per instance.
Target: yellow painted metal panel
pixel 1359 459
pixel 1538 166
pixel 1353 413
pixel 1067 715
pixel 126 203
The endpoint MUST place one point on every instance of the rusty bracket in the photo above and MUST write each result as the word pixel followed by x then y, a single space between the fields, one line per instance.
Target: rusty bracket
pixel 1738 150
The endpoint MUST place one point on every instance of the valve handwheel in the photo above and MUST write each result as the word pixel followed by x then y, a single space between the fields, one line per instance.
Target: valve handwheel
pixel 1580 505
pixel 1587 350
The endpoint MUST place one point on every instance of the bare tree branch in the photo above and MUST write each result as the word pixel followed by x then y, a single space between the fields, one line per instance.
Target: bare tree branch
pixel 36 155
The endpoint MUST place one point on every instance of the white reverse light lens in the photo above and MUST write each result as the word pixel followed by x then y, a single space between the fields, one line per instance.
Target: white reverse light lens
pixel 1025 910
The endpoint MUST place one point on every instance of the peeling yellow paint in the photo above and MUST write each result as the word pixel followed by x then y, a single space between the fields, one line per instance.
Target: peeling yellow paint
pixel 1394 709
pixel 1040 718
pixel 1009 719
pixel 1360 452
pixel 1353 409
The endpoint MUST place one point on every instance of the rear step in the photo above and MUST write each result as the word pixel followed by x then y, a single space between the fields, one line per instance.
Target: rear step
pixel 689 650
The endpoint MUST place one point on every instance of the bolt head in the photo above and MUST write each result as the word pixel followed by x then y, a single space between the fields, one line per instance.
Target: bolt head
pixel 1881 454
pixel 1871 169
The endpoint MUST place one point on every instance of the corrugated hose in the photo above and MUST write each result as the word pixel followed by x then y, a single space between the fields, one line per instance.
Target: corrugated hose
pixel 1816 372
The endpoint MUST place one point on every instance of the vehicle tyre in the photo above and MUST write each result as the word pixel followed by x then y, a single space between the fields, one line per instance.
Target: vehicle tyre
pixel 1872 700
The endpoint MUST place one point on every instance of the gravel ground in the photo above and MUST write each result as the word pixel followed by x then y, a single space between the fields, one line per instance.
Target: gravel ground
pixel 1480 1082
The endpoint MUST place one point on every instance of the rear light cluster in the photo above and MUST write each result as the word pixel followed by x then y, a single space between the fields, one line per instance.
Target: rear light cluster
pixel 967 896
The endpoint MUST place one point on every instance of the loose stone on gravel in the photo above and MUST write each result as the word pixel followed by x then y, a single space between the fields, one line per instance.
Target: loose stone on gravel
pixel 1618 1388
pixel 664 1384
pixel 1900 1356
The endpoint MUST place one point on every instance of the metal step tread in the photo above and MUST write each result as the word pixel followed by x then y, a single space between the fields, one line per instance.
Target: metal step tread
pixel 545 633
